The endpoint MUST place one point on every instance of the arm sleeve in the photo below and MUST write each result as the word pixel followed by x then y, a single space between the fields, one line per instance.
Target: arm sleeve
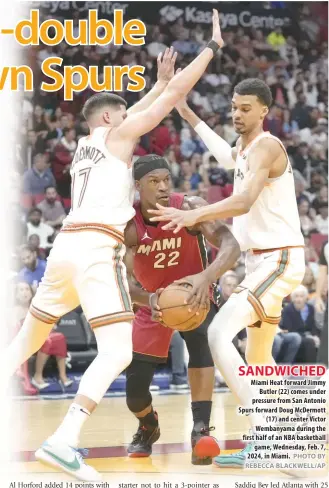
pixel 220 149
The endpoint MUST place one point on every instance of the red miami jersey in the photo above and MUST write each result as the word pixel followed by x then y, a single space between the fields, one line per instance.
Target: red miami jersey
pixel 161 256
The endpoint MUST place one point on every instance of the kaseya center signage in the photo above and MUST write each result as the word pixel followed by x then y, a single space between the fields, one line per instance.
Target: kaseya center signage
pixel 235 14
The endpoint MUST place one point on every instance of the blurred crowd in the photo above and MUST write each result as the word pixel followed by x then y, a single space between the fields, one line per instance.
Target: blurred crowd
pixel 296 70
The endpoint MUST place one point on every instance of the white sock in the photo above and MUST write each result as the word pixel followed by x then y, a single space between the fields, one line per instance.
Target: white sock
pixel 114 345
pixel 69 430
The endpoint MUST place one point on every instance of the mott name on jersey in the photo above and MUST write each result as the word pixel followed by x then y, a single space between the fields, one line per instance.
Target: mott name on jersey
pixel 88 152
pixel 102 188
pixel 273 220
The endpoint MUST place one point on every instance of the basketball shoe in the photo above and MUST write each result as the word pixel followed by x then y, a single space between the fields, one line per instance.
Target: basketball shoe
pixel 237 460
pixel 145 437
pixel 67 459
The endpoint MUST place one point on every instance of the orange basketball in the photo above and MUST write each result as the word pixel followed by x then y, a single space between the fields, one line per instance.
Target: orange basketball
pixel 207 446
pixel 175 313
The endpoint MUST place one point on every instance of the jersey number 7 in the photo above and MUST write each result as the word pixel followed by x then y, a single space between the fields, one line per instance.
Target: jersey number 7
pixel 85 173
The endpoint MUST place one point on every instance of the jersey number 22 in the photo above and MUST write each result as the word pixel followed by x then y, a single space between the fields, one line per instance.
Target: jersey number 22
pixel 161 256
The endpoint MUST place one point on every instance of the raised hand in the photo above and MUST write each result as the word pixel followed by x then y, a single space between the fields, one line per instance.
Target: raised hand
pixel 166 65
pixel 177 219
pixel 216 31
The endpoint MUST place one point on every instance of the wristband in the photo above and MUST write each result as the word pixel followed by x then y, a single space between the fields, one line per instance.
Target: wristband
pixel 213 46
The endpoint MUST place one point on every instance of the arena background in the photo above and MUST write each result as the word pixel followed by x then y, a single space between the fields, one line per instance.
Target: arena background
pixel 283 43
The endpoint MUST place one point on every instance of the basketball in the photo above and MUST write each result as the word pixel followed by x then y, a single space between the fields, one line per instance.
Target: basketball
pixel 175 313
pixel 207 447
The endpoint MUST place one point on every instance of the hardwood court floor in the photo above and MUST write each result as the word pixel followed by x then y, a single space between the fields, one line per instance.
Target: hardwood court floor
pixel 109 430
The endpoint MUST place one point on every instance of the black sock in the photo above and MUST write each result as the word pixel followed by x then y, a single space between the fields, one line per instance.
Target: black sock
pixel 201 412
pixel 150 420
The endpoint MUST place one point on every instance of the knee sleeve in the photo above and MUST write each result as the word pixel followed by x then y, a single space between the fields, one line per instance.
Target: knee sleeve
pixel 139 376
pixel 197 344
pixel 114 344
pixel 115 339
pixel 137 405
pixel 234 316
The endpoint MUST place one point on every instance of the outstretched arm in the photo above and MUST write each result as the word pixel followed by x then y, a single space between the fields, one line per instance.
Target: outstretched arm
pixel 218 147
pixel 260 162
pixel 138 124
pixel 166 71
pixel 217 234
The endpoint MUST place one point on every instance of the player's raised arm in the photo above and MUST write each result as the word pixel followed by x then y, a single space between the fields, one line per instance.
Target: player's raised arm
pixel 219 236
pixel 166 71
pixel 218 147
pixel 260 163
pixel 138 124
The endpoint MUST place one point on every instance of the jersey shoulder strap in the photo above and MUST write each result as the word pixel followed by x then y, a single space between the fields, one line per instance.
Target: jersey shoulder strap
pixel 176 200
pixel 139 222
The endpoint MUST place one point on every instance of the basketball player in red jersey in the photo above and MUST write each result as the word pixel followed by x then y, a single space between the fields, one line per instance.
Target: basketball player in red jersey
pixel 156 258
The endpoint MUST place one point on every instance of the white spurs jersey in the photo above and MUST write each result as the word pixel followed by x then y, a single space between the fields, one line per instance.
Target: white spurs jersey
pixel 102 190
pixel 273 220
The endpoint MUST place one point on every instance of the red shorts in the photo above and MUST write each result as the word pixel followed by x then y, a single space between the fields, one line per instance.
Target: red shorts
pixel 55 345
pixel 151 340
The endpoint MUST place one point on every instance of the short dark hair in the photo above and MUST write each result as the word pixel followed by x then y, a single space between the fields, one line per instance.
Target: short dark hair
pixel 100 100
pixel 254 86
pixel 34 209
pixel 50 186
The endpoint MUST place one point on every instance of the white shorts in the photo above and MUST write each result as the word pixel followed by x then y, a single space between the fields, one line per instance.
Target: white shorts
pixel 270 277
pixel 85 267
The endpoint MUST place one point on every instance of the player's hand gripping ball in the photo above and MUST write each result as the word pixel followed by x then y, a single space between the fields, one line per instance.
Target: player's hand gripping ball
pixel 177 314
